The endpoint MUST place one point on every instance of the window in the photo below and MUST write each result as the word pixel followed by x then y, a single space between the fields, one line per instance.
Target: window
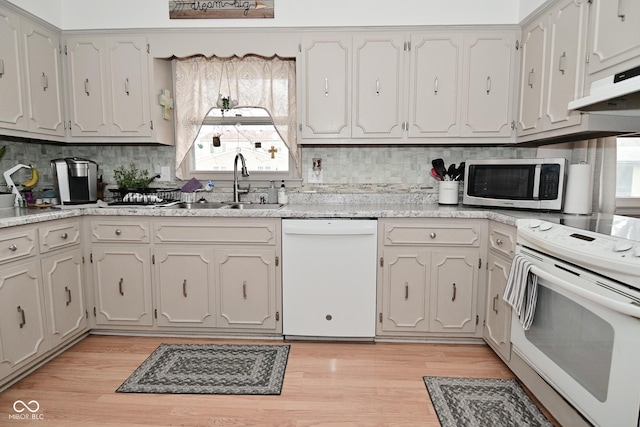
pixel 248 130
pixel 628 175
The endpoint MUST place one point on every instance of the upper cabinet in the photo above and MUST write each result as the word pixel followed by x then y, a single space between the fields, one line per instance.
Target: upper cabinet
pixel 553 68
pixel 407 87
pixel 12 109
pixel 614 36
pixel 109 86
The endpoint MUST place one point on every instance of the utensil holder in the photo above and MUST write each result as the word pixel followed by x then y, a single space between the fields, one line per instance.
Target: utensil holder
pixel 448 192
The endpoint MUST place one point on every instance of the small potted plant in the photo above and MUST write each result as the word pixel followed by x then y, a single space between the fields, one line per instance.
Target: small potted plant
pixel 131 179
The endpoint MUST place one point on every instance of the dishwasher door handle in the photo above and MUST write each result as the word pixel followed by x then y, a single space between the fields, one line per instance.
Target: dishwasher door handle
pixel 330 228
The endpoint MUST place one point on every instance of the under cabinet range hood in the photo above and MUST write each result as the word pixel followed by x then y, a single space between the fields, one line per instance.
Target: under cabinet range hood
pixel 618 94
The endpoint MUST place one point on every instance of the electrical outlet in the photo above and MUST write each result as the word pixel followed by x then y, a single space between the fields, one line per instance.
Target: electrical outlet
pixel 165 174
pixel 314 177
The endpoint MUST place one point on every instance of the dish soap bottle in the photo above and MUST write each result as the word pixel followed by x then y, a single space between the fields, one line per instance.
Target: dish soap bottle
pixel 272 193
pixel 282 195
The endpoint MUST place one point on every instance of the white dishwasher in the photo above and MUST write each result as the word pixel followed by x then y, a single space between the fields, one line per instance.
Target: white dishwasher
pixel 329 278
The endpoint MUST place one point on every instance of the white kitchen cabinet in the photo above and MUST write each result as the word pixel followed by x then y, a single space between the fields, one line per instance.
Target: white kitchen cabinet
pixel 553 68
pixel 12 86
pixel 63 281
pixel 488 84
pixel 121 264
pixel 325 92
pixel 428 278
pixel 183 281
pixel 614 38
pixel 435 95
pixel 379 94
pixel 246 288
pixel 43 79
pixel 497 327
pixel 109 86
pixel 405 292
pixel 22 322
pixel 454 291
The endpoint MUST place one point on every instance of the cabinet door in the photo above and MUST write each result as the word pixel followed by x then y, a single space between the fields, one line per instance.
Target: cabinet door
pixel 12 107
pixel 42 51
pixel 435 79
pixel 488 85
pixel 566 63
pixel 246 288
pixel 129 86
pixel 532 84
pixel 379 86
pixel 497 328
pixel 454 288
pixel 326 87
pixel 122 285
pixel 87 86
pixel 185 292
pixel 22 330
pixel 64 290
pixel 614 33
pixel 405 296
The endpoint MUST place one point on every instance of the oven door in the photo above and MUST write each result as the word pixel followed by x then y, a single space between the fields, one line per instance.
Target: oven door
pixel 582 344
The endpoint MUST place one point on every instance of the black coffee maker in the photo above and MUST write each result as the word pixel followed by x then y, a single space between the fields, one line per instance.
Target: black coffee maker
pixel 76 180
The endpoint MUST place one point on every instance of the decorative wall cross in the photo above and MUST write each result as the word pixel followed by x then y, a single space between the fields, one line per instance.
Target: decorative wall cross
pixel 166 102
pixel 273 150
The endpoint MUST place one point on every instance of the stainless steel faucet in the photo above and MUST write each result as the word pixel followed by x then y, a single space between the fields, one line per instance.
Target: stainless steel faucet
pixel 245 173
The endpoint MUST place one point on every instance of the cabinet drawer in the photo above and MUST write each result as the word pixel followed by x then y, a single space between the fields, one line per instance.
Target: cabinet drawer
pixel 115 231
pixel 502 239
pixel 226 232
pixel 432 235
pixel 58 236
pixel 17 244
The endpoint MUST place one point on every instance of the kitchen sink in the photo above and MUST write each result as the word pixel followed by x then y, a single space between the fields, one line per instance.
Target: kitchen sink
pixel 226 205
pixel 255 206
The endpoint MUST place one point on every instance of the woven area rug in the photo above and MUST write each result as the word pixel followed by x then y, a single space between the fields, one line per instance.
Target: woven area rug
pixel 210 369
pixel 480 402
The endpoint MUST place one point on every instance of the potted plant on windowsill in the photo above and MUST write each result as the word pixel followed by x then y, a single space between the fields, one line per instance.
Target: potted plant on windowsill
pixel 133 180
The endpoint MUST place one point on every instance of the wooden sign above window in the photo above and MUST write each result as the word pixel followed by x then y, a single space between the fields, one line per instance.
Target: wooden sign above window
pixel 222 9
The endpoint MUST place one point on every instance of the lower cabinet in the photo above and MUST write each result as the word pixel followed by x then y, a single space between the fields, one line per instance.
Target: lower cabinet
pixel 428 278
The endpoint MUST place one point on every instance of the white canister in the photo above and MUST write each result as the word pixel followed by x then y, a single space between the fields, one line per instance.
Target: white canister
pixel 448 192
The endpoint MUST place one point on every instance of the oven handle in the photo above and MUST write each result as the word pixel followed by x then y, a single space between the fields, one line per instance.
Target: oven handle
pixel 624 308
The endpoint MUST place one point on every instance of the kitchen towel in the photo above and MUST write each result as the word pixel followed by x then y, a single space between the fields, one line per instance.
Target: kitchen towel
pixel 521 291
pixel 578 196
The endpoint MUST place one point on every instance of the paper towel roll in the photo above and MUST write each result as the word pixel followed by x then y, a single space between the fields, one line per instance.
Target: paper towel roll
pixel 579 190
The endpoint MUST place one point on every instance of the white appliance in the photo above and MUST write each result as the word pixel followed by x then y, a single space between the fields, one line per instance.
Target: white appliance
pixel 584 339
pixel 615 94
pixel 329 278
pixel 515 183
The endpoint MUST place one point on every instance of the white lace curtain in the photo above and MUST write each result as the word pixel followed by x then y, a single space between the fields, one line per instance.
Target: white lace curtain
pixel 252 81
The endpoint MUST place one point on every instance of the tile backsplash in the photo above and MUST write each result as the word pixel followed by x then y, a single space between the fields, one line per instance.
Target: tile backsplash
pixel 352 165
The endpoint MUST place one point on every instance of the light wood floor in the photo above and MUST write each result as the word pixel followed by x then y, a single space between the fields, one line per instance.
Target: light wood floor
pixel 326 384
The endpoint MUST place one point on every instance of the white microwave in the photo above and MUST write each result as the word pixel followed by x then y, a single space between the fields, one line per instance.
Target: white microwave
pixel 515 183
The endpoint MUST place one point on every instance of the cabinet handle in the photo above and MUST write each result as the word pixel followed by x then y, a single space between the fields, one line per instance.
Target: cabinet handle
pixel 495 300
pixel 45 82
pixel 244 289
pixel 120 286
pixel 326 87
pixel 488 85
pixel 13 248
pixel 377 87
pixel 1 68
pixel 406 290
pixel 453 297
pixel 562 62
pixel 68 291
pixel 435 86
pixel 432 235
pixel 118 232
pixel 621 13
pixel 184 288
pixel 531 79
pixel 499 242
pixel 64 236
pixel 87 88
pixel 23 320
pixel 126 86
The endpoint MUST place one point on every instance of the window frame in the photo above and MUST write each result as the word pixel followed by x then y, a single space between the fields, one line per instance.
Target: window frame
pixel 629 206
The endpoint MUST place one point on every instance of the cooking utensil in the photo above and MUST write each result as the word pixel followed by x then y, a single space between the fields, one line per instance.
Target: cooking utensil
pixel 438 165
pixel 451 172
pixel 435 174
pixel 459 173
